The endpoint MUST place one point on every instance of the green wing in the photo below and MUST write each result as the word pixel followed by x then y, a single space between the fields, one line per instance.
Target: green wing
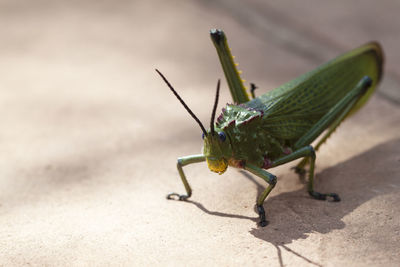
pixel 293 108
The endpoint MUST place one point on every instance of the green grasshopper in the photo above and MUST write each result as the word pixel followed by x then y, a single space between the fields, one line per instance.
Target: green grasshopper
pixel 278 127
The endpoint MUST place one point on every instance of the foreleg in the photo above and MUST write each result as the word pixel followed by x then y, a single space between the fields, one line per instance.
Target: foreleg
pixel 183 161
pixel 271 180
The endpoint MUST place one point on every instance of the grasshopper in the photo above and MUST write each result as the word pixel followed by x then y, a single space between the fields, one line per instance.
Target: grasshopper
pixel 278 127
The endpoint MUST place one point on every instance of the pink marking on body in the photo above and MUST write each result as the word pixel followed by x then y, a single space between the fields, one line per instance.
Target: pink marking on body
pixel 236 163
pixel 287 150
pixel 267 163
pixel 240 164
pixel 220 117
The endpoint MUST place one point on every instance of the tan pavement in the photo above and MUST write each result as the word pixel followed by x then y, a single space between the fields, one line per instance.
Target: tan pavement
pixel 90 136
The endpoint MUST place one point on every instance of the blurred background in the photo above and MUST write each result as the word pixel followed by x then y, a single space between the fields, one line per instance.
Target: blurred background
pixel 90 134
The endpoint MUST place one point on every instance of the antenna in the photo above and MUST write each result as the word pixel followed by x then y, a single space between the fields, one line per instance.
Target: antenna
pixel 214 108
pixel 183 103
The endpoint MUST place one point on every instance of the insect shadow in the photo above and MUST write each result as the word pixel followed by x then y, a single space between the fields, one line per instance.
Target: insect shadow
pixel 294 215
pixel 358 180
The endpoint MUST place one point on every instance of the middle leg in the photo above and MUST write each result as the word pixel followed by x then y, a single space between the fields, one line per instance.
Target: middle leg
pixel 306 152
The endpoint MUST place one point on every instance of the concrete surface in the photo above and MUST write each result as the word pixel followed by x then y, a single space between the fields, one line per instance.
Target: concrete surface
pixel 90 136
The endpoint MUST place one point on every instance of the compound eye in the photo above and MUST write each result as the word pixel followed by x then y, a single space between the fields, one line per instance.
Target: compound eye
pixel 222 136
pixel 202 136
